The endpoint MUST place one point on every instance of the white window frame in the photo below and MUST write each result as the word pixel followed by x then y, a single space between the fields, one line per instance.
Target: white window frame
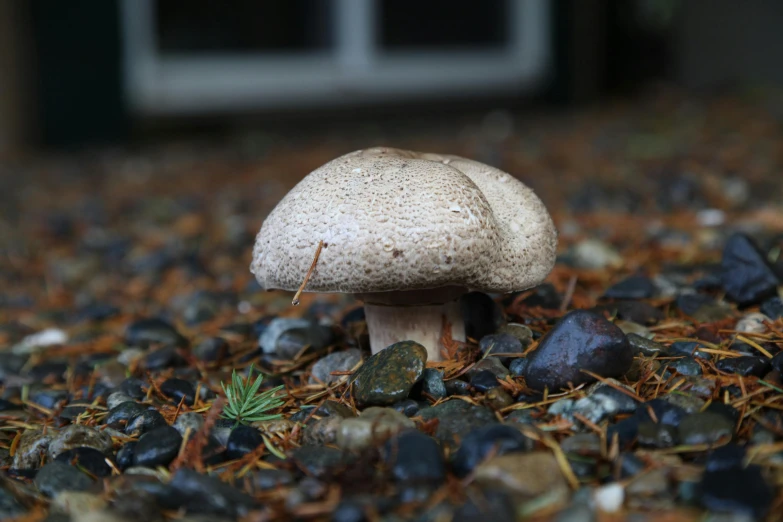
pixel 351 72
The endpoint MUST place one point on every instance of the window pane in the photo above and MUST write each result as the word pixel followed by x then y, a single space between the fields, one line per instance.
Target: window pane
pixel 442 24
pixel 243 25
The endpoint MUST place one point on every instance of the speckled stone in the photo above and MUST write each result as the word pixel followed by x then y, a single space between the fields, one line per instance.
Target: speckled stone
pixel 389 375
pixel 372 426
pixel 32 444
pixel 334 362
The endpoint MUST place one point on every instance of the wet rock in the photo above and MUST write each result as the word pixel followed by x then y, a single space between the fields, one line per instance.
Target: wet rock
pixel 456 419
pixel 690 303
pixel 88 459
pixel 117 398
pixel 483 381
pixel 580 341
pixel 153 331
pixel 322 431
pixel 146 421
pixel 689 348
pixel 81 506
pixel 189 420
pixel 582 444
pixel 740 491
pixel 243 440
pixel 491 364
pixel 497 398
pixel 164 357
pixel 125 455
pixel 124 412
pixel 544 295
pixel 704 428
pixel 408 407
pixel 689 402
pixel 266 479
pixel 58 476
pixel 268 339
pixel 491 439
pixel 650 484
pixel 202 494
pixel 639 312
pixel 137 505
pixel 683 365
pixel 334 362
pixel 745 365
pixel 32 444
pixel 492 504
pixel 520 331
pixel 629 327
pixel 135 388
pixel 604 402
pixel 481 314
pixel 710 313
pixel 309 339
pixel 654 435
pixel 529 475
pixel 501 343
pixel 319 461
pixel 747 276
pixel 9 506
pixel 644 346
pixel 524 417
pixel 11 364
pixel 730 456
pixel 179 390
pixel 772 308
pixel 50 399
pixel 413 456
pixel 389 375
pixel 665 412
pixel 518 366
pixel 457 387
pixel 432 383
pixel 211 349
pixel 633 287
pixel 372 427
pixel 777 362
pixel 157 447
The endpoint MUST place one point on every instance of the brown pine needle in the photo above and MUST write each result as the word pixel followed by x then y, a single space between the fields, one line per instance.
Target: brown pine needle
pixel 295 300
pixel 569 294
pixel 754 345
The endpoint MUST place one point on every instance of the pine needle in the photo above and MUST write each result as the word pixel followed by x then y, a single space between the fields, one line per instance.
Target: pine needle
pixel 245 404
pixel 295 300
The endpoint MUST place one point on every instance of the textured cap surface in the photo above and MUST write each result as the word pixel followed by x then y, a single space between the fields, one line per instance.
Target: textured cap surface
pixel 399 220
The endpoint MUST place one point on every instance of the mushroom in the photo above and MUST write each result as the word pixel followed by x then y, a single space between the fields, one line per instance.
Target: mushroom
pixel 407 233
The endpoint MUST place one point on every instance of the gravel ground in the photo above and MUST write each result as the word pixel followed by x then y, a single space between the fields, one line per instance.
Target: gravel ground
pixel 642 378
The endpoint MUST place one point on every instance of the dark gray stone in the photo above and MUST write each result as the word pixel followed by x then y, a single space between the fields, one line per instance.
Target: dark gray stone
pixel 58 476
pixel 581 340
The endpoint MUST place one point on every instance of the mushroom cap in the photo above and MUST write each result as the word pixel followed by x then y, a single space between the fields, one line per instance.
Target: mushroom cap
pixel 397 220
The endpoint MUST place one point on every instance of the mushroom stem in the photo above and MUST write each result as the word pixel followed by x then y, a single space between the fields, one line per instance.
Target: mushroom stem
pixel 391 324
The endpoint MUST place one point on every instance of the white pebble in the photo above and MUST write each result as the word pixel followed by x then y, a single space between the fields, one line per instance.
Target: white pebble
pixel 753 323
pixel 711 217
pixel 609 498
pixel 48 337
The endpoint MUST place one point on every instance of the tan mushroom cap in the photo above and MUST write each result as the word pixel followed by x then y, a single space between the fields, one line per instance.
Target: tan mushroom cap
pixel 395 220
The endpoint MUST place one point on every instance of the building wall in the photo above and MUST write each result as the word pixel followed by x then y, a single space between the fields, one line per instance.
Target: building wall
pixel 725 42
pixel 14 127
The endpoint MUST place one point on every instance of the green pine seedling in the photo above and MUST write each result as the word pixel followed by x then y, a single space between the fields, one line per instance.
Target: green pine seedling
pixel 245 404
